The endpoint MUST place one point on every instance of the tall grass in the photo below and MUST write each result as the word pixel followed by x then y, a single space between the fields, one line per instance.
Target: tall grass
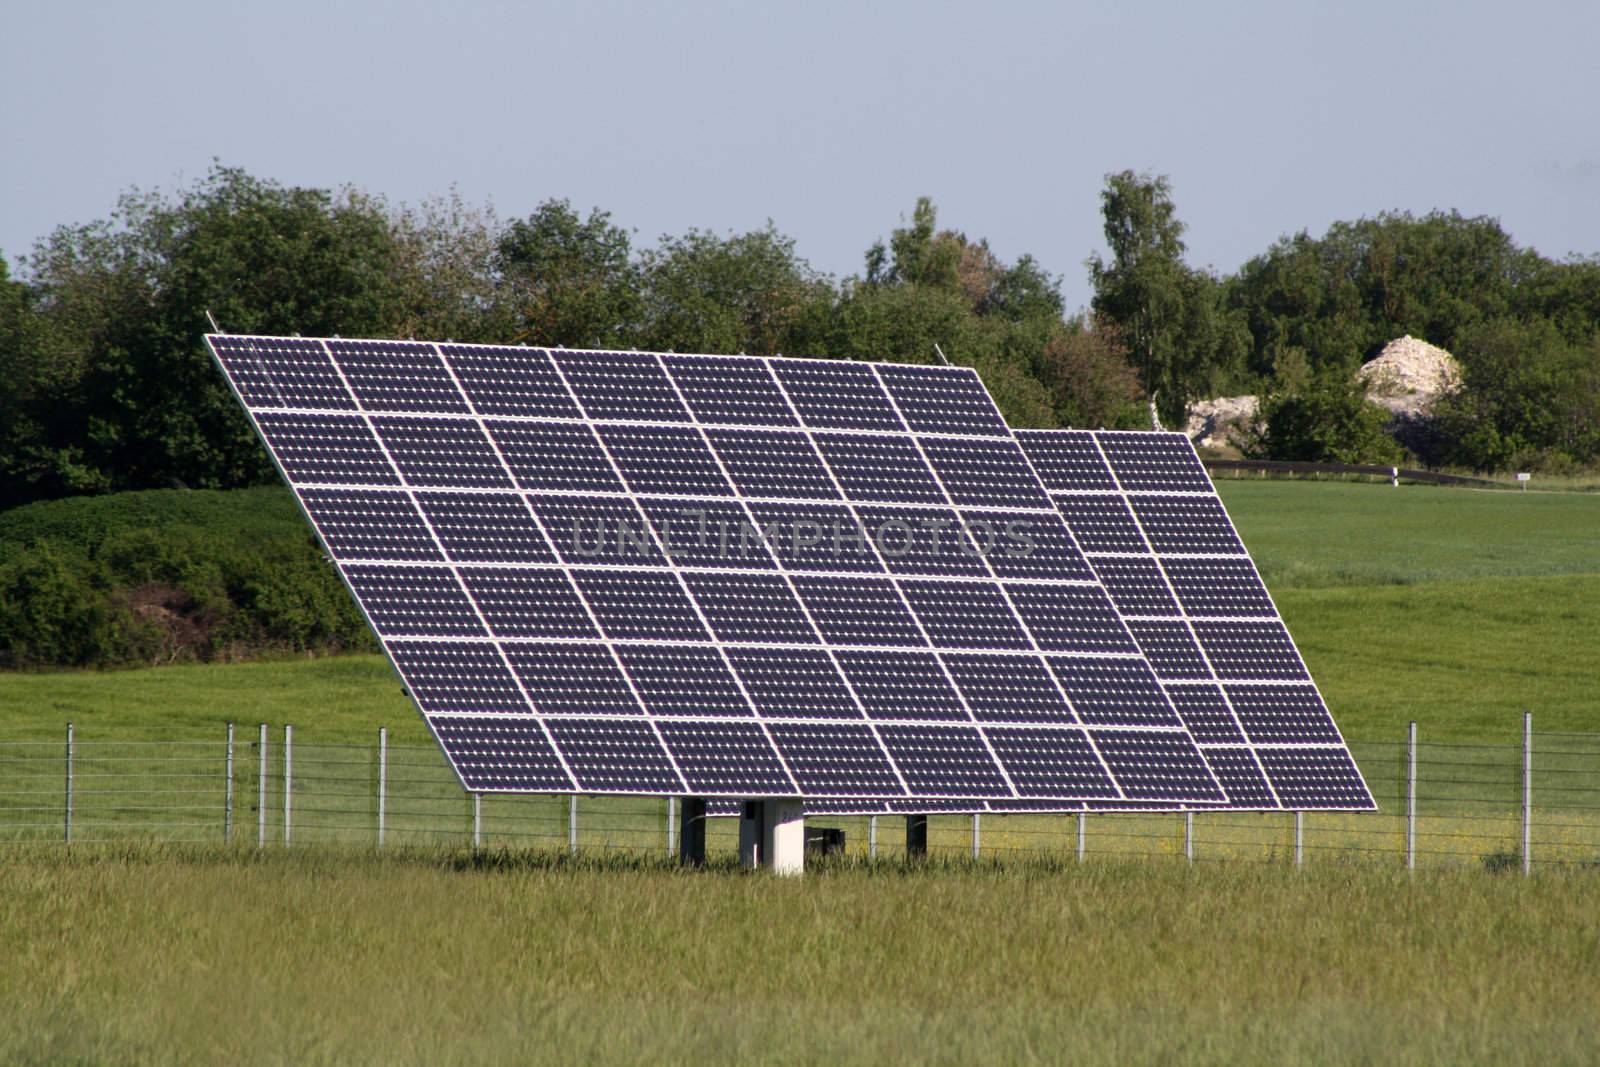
pixel 162 956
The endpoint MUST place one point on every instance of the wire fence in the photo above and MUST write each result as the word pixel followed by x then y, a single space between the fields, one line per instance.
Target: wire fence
pixel 1512 806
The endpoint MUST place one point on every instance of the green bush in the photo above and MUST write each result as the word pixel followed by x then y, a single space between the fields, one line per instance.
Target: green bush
pixel 167 575
pixel 1326 420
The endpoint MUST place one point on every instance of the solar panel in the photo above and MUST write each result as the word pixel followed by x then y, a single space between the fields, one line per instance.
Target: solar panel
pixel 717 576
pixel 1155 532
pixel 1156 535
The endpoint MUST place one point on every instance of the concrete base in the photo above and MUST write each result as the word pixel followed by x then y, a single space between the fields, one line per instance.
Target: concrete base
pixel 772 833
pixel 692 833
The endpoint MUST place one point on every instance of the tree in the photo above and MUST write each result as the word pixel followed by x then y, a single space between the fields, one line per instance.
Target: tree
pixel 122 391
pixel 1326 418
pixel 746 292
pixel 568 280
pixel 1169 315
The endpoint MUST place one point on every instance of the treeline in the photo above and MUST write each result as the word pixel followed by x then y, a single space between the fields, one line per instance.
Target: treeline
pixel 105 385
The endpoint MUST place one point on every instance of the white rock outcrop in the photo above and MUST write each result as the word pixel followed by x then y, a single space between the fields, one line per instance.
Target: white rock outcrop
pixel 1408 374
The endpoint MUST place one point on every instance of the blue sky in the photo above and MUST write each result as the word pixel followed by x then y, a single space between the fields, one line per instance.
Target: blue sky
pixel 829 118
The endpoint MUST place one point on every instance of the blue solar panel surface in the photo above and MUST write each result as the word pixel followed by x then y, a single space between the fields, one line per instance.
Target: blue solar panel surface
pixel 1154 532
pixel 608 572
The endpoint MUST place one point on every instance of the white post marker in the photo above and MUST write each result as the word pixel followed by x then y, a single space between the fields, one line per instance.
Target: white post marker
pixel 872 837
pixel 67 829
pixel 1188 837
pixel 1411 797
pixel 261 790
pixel 1299 839
pixel 288 781
pixel 1083 836
pixel 1527 792
pixel 227 791
pixel 976 822
pixel 383 779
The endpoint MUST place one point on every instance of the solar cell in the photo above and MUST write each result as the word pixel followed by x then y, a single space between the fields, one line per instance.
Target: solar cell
pixel 510 381
pixel 835 395
pixel 942 400
pixel 724 576
pixel 1008 688
pixel 615 755
pixel 665 459
pixel 484 527
pixel 729 390
pixel 627 386
pixel 397 376
pixel 441 452
pixel 282 372
pixel 369 524
pixel 901 685
pixel 573 679
pixel 766 463
pixel 525 602
pixel 325 449
pixel 879 467
pixel 553 456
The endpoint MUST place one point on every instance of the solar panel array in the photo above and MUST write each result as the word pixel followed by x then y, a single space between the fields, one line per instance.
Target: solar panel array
pixel 1154 531
pixel 622 572
pixel 1148 520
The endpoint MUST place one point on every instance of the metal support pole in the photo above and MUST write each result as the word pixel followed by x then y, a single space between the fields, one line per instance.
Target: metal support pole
pixel 1188 837
pixel 261 790
pixel 383 780
pixel 67 827
pixel 227 794
pixel 672 826
pixel 288 782
pixel 477 821
pixel 572 824
pixel 1411 797
pixel 1527 792
pixel 692 841
pixel 1299 839
pixel 916 836
pixel 976 821
pixel 1083 836
pixel 872 837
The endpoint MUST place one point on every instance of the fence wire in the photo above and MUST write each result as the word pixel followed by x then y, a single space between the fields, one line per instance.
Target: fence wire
pixel 1469 807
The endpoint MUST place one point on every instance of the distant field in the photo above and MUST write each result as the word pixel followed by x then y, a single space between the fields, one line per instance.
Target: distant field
pixel 152 957
pixel 1453 607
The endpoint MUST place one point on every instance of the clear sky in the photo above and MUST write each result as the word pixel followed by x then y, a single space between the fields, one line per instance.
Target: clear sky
pixel 829 118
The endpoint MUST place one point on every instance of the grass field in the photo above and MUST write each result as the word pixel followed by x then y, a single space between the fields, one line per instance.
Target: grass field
pixel 1454 608
pixel 436 958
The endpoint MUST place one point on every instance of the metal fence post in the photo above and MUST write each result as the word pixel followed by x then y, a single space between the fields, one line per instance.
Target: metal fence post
pixel 383 778
pixel 1083 836
pixel 1411 796
pixel 976 833
pixel 288 782
pixel 227 795
pixel 1299 839
pixel 872 837
pixel 1527 792
pixel 477 821
pixel 572 824
pixel 261 791
pixel 67 826
pixel 672 826
pixel 1188 837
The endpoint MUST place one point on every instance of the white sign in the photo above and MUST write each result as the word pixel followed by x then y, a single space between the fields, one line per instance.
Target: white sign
pixel 1523 476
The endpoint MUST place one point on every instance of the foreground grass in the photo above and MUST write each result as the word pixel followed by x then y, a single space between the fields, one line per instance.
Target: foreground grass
pixel 311 957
